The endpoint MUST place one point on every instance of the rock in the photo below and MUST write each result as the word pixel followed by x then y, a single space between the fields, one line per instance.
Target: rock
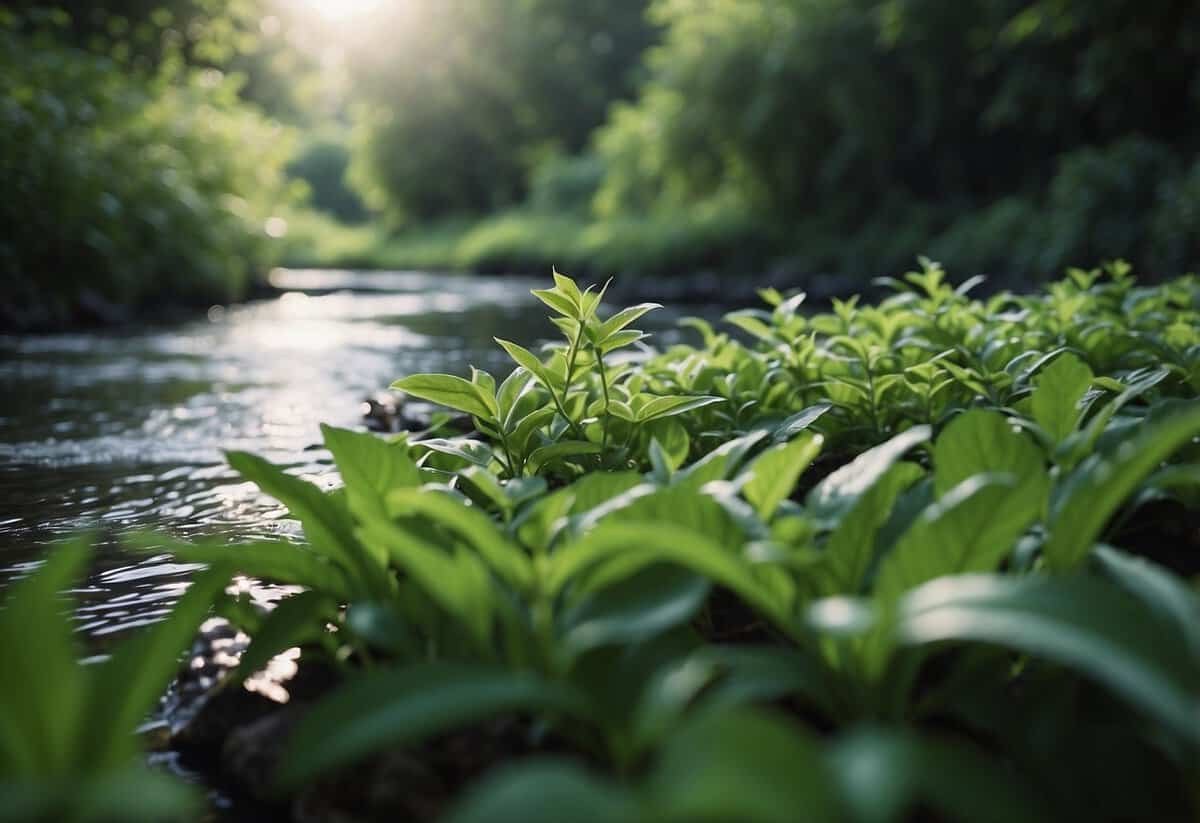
pixel 388 413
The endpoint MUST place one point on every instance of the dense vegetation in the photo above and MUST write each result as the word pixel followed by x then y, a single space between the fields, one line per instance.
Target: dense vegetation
pixel 653 137
pixel 1011 136
pixel 930 558
pixel 125 187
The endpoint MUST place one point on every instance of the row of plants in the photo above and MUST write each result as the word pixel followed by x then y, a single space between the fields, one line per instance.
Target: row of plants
pixel 927 559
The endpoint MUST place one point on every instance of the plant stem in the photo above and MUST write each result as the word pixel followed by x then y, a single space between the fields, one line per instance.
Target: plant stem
pixel 604 388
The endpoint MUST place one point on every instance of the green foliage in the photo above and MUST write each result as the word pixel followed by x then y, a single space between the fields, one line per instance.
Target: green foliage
pixel 67 747
pixel 124 186
pixel 992 133
pixel 634 561
pixel 459 100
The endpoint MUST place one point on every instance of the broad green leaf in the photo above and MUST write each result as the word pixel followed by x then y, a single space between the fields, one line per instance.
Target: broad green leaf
pixel 799 422
pixel 454 392
pixel 754 322
pixel 542 790
pixel 1079 444
pixel 621 339
pixel 558 301
pixel 450 579
pixel 327 525
pixel 834 496
pixel 464 448
pixel 670 405
pixel 653 542
pixel 850 548
pixel 1060 387
pixel 749 765
pixel 41 688
pixel 720 463
pixel 623 318
pixel 1098 487
pixel 471 525
pixel 1077 622
pixel 673 439
pixel 776 471
pixel 527 425
pixel 557 451
pixel 483 487
pixel 595 488
pixel 568 287
pixel 129 683
pixel 510 391
pixel 406 706
pixel 370 467
pixel 972 528
pixel 980 441
pixel 647 602
pixel 671 504
pixel 528 361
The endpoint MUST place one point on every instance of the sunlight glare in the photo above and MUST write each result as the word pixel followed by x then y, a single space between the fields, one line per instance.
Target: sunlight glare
pixel 340 10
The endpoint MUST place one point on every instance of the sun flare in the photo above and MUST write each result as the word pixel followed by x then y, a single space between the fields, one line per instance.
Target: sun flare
pixel 340 10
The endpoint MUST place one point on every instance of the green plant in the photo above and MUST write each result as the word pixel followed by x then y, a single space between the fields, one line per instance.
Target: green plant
pixel 67 745
pixel 887 540
pixel 596 409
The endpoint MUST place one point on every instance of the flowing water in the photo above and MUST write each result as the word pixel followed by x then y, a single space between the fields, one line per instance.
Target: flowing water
pixel 126 430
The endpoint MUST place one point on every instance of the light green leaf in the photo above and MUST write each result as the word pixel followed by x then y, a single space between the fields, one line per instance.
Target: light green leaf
pixel 972 528
pixel 559 302
pixel 670 405
pixel 370 467
pixel 470 524
pixel 776 471
pixel 980 441
pixel 1161 591
pixel 836 494
pixel 328 526
pixel 1060 387
pixel 454 392
pixel 623 318
pixel 652 542
pixel 568 287
pixel 851 547
pixel 799 422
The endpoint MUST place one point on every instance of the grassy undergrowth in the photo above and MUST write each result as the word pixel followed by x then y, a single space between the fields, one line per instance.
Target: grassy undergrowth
pixel 928 559
pixel 520 241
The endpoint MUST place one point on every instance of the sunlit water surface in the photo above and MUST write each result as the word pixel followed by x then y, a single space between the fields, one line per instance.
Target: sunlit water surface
pixel 126 431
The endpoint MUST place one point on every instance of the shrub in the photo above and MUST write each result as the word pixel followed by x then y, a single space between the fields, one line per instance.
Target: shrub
pixel 135 189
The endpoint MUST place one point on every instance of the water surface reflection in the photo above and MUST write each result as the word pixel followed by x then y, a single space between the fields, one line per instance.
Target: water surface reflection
pixel 120 431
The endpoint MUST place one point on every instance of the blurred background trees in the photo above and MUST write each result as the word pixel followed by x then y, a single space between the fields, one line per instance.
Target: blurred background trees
pixel 155 140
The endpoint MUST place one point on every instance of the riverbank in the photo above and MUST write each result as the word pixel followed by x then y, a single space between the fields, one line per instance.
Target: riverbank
pixel 529 242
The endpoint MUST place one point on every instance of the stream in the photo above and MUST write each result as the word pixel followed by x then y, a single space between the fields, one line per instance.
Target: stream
pixel 120 431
